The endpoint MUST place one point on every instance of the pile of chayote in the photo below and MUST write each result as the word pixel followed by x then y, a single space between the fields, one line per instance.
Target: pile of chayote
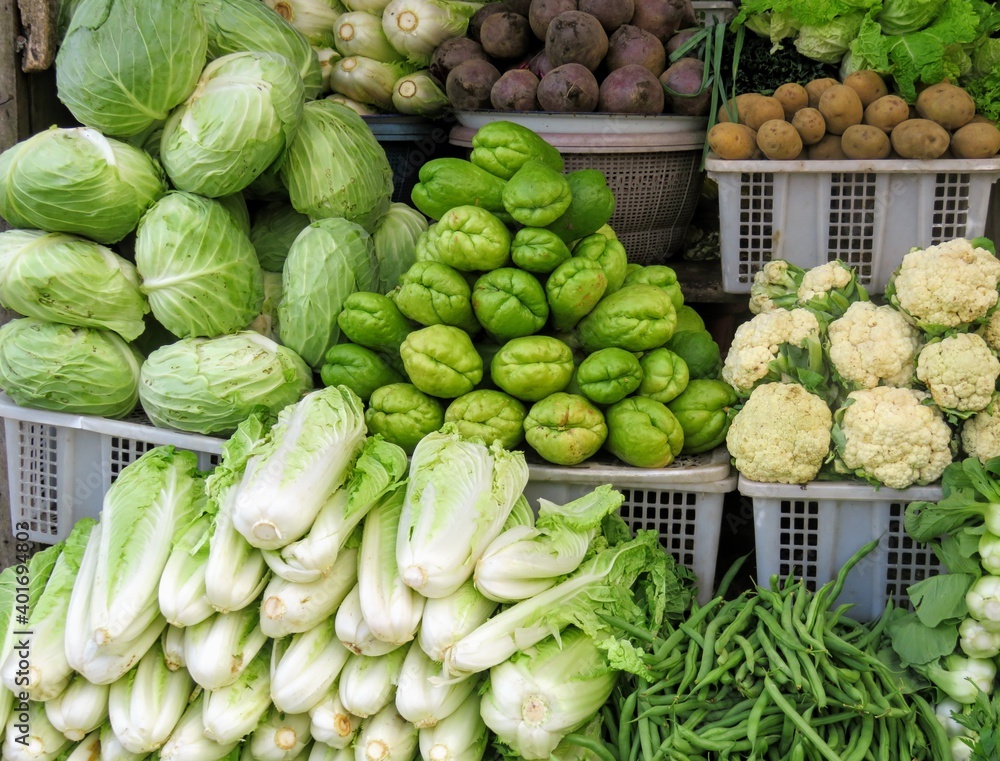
pixel 521 318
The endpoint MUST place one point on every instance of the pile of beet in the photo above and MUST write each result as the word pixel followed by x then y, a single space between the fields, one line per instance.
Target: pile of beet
pixel 612 56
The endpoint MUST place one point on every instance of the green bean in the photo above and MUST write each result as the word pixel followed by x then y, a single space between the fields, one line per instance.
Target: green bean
pixel 633 753
pixel 708 647
pixel 798 720
pixel 738 624
pixel 698 740
pixel 813 680
pixel 934 730
pixel 645 738
pixel 594 745
pixel 775 629
pixel 862 740
pixel 695 618
pixel 625 724
pixel 777 663
pixel 610 725
pixel 692 634
pixel 690 667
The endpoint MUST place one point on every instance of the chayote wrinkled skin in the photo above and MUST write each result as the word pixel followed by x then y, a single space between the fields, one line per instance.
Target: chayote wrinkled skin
pixel 608 376
pixel 702 409
pixel 432 293
pixel 643 432
pixel 502 148
pixel 573 290
pixel 636 318
pixel 565 429
pixel 448 182
pixel 468 238
pixel 664 375
pixel 536 195
pixel 607 252
pixel 538 250
pixel 509 303
pixel 532 367
pixel 440 360
pixel 661 275
pixel 488 415
pixel 360 369
pixel 372 320
pixel 402 414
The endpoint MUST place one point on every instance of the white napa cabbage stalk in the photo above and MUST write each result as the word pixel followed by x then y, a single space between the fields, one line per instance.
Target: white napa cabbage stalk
pixel 113 750
pixel 182 592
pixel 280 736
pixel 314 18
pixel 524 561
pixel 230 713
pixel 305 666
pixel 332 724
pixel 352 630
pixel 423 696
pixel 87 749
pixel 188 741
pixel 541 695
pixel 173 647
pixel 416 27
pixel 145 705
pixel 289 608
pixel 235 572
pixel 78 608
pixel 367 80
pixel 391 609
pixel 217 650
pixel 303 459
pixel 359 33
pixel 379 467
pixel 461 736
pixel 420 94
pixel 326 57
pixel 361 109
pixel 368 683
pixel 80 709
pixel 143 515
pixel 104 664
pixel 386 736
pixel 41 671
pixel 33 739
pixel 447 620
pixel 323 752
pixel 458 498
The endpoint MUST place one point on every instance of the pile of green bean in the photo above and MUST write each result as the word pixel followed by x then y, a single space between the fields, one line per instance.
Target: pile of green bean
pixel 775 673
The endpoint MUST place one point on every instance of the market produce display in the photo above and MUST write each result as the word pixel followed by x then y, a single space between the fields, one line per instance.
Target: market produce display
pixel 834 385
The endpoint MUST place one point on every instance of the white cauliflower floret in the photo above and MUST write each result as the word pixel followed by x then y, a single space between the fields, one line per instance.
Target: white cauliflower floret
pixel 756 342
pixel 873 346
pixel 949 285
pixel 781 435
pixel 991 331
pixel 960 371
pixel 826 277
pixel 776 276
pixel 981 435
pixel 890 436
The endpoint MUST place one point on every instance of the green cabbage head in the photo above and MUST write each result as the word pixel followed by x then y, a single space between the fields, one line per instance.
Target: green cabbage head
pixel 395 241
pixel 198 268
pixel 63 278
pixel 335 167
pixel 78 181
pixel 210 385
pixel 124 64
pixel 243 112
pixel 80 371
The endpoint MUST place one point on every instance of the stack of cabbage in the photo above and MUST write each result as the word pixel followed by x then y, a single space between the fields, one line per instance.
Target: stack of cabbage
pixel 312 598
pixel 190 107
pixel 547 334
pixel 833 385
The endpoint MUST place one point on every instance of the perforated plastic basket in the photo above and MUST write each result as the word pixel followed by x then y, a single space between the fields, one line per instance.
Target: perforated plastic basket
pixel 654 175
pixel 409 142
pixel 60 466
pixel 811 530
pixel 682 502
pixel 713 11
pixel 866 213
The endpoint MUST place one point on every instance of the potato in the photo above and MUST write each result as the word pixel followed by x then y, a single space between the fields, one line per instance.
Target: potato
pixel 631 89
pixel 576 37
pixel 886 112
pixel 611 13
pixel 816 87
pixel 841 107
pixel 469 84
pixel 516 90
pixel 506 35
pixel 976 140
pixel 920 139
pixel 792 97
pixel 867 84
pixel 732 142
pixel 630 44
pixel 863 141
pixel 810 124
pixel 827 149
pixel 763 109
pixel 948 105
pixel 738 107
pixel 684 77
pixel 779 140
pixel 571 87
pixel 542 12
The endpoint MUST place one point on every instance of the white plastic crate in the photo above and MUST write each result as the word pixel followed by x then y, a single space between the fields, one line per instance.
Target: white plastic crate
pixel 682 502
pixel 811 530
pixel 60 466
pixel 714 11
pixel 866 213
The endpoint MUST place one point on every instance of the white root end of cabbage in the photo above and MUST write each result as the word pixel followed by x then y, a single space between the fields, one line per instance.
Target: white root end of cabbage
pixel 346 32
pixel 266 531
pixel 407 88
pixel 274 608
pixel 102 636
pixel 285 738
pixel 284 10
pixel 408 22
pixel 415 577
pixel 376 750
pixel 342 725
pixel 439 752
pixel 534 709
pixel 74 735
pixel 426 723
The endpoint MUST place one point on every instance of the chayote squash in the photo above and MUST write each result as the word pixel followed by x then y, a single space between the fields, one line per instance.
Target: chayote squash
pixel 503 147
pixel 447 183
pixel 591 205
pixel 702 409
pixel 536 195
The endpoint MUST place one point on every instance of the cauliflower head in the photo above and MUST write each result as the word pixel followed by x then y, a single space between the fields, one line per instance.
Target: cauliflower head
pixel 873 346
pixel 781 434
pixel 960 371
pixel 775 286
pixel 825 278
pixel 757 342
pixel 980 435
pixel 991 331
pixel 888 435
pixel 950 285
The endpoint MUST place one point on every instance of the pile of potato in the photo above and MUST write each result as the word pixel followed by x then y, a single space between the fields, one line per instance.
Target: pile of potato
pixel 611 56
pixel 854 119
